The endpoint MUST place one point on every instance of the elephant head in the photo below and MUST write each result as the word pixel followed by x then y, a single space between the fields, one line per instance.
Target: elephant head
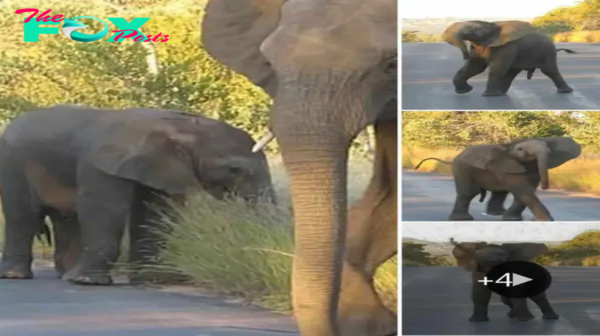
pixel 549 152
pixel 483 33
pixel 180 154
pixel 481 257
pixel 331 69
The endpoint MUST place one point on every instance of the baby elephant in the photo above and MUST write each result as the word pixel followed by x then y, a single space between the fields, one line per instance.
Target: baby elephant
pixel 479 258
pixel 517 167
pixel 94 171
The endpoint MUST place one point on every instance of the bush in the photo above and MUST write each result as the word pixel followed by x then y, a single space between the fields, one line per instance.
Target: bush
pixel 588 36
pixel 583 250
pixel 236 249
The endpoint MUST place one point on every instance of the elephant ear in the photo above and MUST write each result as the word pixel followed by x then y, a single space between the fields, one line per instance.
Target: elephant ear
pixel 464 254
pixel 524 251
pixel 509 31
pixel 150 152
pixel 492 157
pixel 233 31
pixel 562 149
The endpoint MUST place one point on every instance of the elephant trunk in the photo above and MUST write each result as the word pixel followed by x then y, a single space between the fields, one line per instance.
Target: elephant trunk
pixel 542 161
pixel 454 36
pixel 314 148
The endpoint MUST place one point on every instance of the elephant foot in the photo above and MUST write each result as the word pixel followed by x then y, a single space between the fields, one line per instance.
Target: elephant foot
pixel 567 89
pixel 511 314
pixel 463 89
pixel 361 311
pixel 76 276
pixel 479 318
pixel 525 317
pixel 494 93
pixel 460 217
pixel 495 212
pixel 14 270
pixel 550 316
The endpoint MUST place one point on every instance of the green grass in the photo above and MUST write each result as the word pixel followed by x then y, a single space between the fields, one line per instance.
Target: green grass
pixel 235 249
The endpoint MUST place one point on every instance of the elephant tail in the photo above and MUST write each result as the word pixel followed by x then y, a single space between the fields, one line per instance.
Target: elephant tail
pixel 568 51
pixel 431 158
pixel 45 231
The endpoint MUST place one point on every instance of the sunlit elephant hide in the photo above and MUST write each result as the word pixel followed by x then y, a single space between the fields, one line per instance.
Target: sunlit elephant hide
pixel 331 69
pixel 517 167
pixel 480 257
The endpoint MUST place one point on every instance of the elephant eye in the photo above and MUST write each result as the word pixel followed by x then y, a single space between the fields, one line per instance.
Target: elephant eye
pixel 391 66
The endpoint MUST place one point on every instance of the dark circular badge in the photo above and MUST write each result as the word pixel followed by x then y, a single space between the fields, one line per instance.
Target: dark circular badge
pixel 518 279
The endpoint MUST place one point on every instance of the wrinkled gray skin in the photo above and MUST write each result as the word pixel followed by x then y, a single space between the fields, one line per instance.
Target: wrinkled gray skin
pixel 517 168
pixel 506 55
pixel 331 69
pixel 91 170
pixel 479 258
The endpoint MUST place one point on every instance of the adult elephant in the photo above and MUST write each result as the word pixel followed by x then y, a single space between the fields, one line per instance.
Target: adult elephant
pixel 92 171
pixel 331 69
pixel 480 257
pixel 517 168
pixel 507 47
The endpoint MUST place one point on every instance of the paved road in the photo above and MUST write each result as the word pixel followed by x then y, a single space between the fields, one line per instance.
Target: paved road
pixel 430 197
pixel 45 306
pixel 436 301
pixel 428 69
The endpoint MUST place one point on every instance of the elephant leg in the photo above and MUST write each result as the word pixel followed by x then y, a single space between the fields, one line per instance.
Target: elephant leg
pixel 462 202
pixel 515 211
pixel 551 70
pixel 67 241
pixel 480 295
pixel 539 210
pixel 509 78
pixel 372 240
pixel 542 301
pixel 471 68
pixel 507 302
pixel 103 206
pixel 496 78
pixel 520 310
pixel 23 219
pixel 495 205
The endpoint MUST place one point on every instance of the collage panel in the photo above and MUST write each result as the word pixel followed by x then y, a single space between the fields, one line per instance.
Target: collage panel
pixel 500 166
pixel 543 56
pixel 481 278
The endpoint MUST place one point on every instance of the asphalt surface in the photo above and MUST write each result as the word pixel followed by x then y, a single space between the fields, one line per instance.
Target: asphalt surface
pixel 46 306
pixel 428 69
pixel 436 301
pixel 430 197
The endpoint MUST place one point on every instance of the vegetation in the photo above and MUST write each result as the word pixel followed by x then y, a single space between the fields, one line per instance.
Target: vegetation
pixel 416 36
pixel 449 132
pixel 227 247
pixel 237 249
pixel 414 254
pixel 583 250
pixel 577 23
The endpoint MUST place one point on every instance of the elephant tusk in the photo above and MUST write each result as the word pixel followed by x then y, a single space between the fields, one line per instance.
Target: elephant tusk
pixel 262 142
